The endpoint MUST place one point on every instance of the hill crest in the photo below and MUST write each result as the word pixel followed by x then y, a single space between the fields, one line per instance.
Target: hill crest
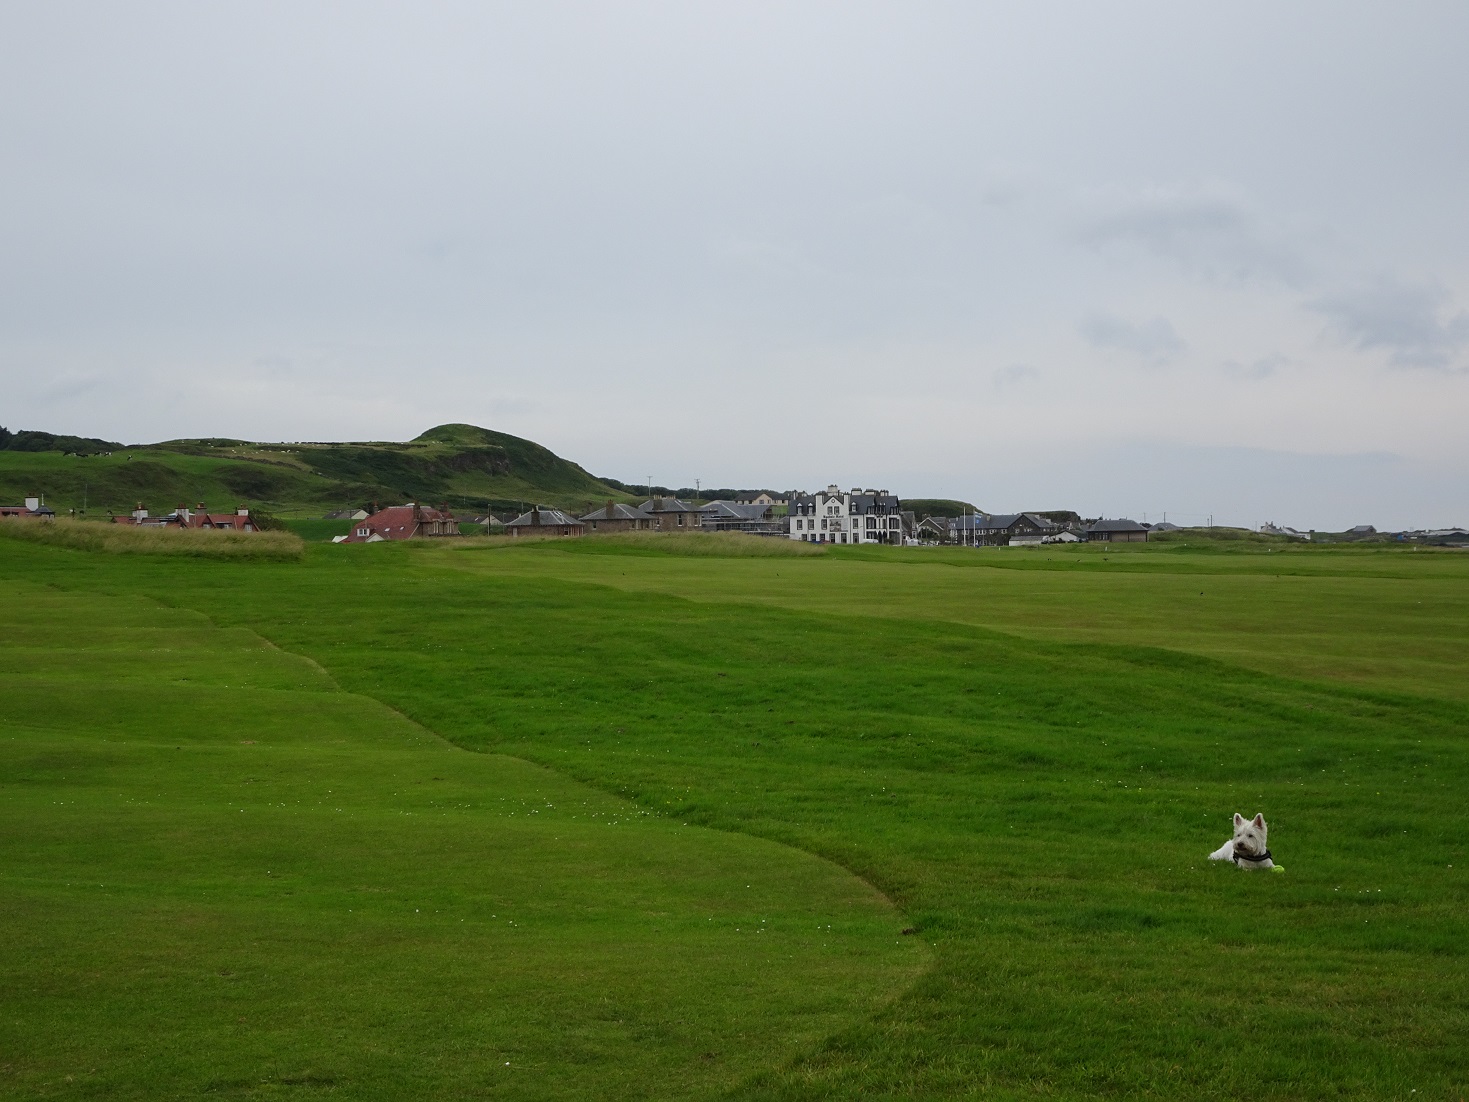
pixel 463 466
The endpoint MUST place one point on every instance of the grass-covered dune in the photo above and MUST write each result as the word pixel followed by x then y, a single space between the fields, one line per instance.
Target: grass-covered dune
pixel 1029 754
pixel 119 539
pixel 462 465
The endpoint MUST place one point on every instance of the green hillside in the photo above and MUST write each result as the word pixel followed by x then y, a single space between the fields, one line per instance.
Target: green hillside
pixel 939 507
pixel 462 465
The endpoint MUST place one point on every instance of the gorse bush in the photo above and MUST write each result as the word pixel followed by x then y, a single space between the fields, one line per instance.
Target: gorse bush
pixel 122 539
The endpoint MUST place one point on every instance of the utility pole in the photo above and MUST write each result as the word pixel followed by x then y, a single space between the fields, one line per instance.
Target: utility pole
pixel 697 497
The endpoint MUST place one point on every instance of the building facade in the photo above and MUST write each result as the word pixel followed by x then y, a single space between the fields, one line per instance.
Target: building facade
pixel 402 522
pixel 31 510
pixel 545 522
pixel 1003 529
pixel 732 516
pixel 618 518
pixel 1117 531
pixel 856 516
pixel 672 515
pixel 240 520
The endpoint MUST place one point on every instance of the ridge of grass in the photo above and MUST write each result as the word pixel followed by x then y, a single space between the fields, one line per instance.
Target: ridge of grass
pixel 126 539
pixel 224 876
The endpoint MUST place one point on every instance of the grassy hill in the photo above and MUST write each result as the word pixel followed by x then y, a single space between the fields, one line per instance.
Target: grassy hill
pixel 939 507
pixel 464 465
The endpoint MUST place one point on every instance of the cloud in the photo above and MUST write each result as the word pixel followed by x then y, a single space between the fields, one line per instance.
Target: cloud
pixel 1262 368
pixel 1014 375
pixel 1155 341
pixel 1210 236
pixel 1408 320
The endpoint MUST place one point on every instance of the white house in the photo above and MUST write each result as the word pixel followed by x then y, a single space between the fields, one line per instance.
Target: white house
pixel 859 516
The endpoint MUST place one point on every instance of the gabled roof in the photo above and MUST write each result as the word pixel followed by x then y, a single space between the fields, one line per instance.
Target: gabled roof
pixel 666 505
pixel 733 510
pixel 611 511
pixel 981 522
pixel 543 518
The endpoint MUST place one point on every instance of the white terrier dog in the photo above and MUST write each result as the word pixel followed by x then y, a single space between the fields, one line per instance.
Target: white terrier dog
pixel 1247 848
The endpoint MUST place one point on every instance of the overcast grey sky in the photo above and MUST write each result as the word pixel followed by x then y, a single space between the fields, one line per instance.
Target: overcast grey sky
pixel 1123 258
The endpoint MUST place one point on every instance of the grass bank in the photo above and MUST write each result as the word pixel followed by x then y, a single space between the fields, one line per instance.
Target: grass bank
pixel 125 539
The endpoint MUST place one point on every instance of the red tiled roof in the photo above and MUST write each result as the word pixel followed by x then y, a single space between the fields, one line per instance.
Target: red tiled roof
pixel 396 522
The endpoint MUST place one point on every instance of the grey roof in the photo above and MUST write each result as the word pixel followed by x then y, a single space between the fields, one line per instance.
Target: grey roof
pixel 612 511
pixel 666 505
pixel 543 518
pixel 1121 525
pixel 731 510
pixel 996 522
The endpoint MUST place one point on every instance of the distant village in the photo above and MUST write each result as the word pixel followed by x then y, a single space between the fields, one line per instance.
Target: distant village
pixel 829 516
pixel 832 515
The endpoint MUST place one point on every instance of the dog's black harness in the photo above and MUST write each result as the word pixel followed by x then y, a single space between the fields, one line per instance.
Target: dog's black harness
pixel 1252 858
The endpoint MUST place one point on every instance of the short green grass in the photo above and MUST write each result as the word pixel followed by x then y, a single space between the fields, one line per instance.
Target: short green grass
pixel 225 877
pixel 1031 754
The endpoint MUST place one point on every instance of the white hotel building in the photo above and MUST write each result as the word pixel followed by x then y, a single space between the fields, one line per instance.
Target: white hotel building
pixel 861 516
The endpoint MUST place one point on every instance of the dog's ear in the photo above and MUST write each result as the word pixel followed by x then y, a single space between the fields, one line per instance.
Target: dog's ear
pixel 1260 821
pixel 1238 818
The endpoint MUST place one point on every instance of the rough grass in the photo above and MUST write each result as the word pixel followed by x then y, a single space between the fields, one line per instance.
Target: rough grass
pixel 714 545
pixel 123 539
pixel 717 545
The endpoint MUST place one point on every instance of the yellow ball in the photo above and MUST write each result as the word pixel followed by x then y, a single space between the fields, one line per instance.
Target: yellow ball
pixel 1277 868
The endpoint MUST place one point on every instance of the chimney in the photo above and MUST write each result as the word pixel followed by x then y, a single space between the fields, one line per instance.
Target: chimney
pixel 609 508
pixel 535 514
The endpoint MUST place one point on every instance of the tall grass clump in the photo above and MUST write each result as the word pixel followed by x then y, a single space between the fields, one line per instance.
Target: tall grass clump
pixel 122 539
